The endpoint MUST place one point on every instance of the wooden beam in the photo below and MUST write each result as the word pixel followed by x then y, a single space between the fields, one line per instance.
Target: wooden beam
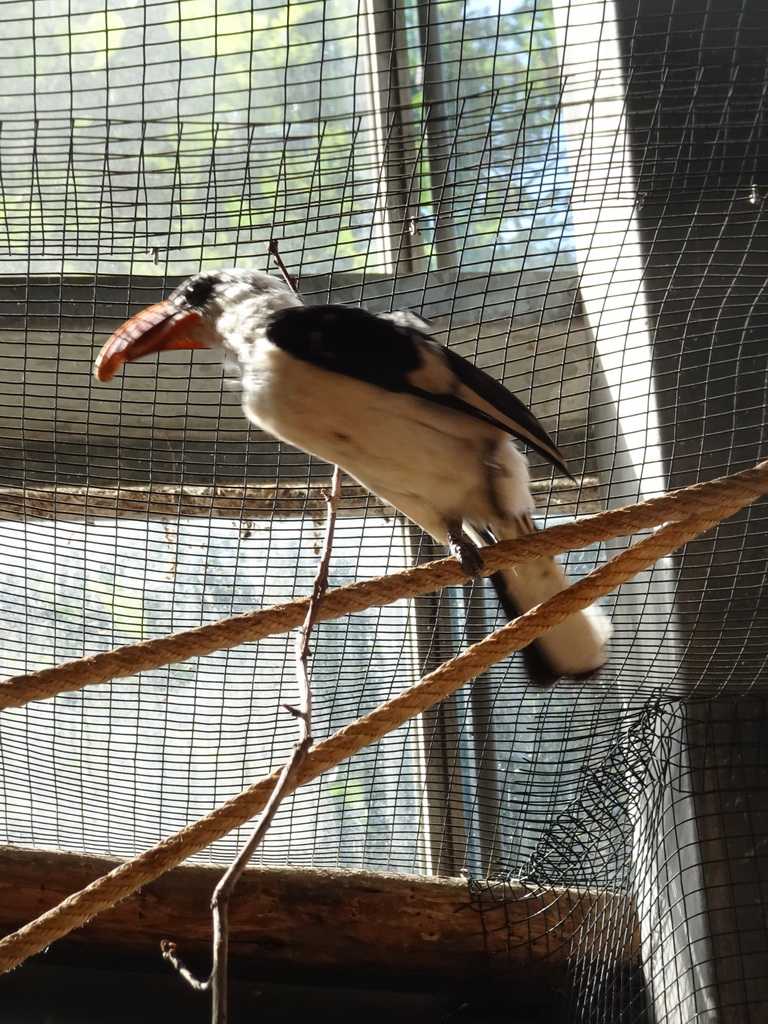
pixel 232 501
pixel 335 922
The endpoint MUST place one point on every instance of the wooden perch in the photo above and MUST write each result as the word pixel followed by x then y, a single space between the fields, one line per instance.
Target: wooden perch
pixel 335 922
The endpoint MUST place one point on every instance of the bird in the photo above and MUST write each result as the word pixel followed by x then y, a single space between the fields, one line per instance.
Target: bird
pixel 412 421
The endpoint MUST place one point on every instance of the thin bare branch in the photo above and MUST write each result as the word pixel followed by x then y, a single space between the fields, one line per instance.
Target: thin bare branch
pixel 223 891
pixel 217 980
pixel 273 248
pixel 318 592
pixel 168 949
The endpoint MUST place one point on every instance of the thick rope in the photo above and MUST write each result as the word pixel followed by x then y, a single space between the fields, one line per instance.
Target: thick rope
pixel 722 497
pixel 104 892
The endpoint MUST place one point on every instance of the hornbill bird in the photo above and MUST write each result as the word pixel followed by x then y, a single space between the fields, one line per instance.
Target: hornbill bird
pixel 410 420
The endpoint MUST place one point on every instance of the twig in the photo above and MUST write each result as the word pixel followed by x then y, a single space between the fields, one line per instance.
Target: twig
pixel 168 949
pixel 318 592
pixel 273 248
pixel 217 980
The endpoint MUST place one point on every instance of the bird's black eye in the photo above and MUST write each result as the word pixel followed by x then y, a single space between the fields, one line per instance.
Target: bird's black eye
pixel 199 290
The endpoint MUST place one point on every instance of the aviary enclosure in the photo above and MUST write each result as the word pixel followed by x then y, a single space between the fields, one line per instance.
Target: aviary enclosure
pixel 573 195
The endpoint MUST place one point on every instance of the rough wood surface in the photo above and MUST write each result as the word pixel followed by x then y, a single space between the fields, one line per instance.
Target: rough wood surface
pixel 163 501
pixel 335 921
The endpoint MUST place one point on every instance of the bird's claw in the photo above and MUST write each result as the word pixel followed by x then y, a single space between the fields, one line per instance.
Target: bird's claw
pixel 462 548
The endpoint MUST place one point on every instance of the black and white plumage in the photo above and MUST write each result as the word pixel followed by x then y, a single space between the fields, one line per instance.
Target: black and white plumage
pixel 413 422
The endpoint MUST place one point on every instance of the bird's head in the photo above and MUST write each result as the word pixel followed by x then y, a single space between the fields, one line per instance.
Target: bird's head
pixel 195 316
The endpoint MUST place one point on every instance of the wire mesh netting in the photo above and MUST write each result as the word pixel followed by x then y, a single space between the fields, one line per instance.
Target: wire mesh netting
pixel 572 195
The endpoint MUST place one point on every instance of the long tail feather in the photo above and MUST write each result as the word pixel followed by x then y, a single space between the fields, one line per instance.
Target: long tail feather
pixel 575 648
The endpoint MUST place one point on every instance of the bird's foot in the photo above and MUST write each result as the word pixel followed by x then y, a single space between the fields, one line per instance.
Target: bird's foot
pixel 462 548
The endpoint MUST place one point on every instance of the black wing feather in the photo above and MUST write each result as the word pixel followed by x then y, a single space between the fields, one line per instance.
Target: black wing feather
pixel 381 352
pixel 509 405
pixel 348 341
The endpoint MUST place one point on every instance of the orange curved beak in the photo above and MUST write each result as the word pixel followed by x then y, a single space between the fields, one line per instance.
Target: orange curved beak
pixel 159 328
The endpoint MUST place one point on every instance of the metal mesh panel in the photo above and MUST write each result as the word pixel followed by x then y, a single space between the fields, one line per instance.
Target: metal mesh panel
pixel 573 195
